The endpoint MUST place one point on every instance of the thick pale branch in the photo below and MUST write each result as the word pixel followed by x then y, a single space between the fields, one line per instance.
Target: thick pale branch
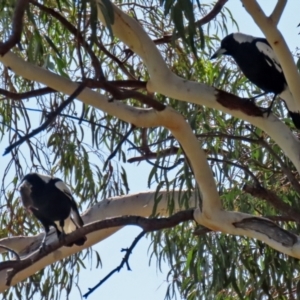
pixel 167 83
pixel 139 117
pixel 140 204
pixel 146 224
pixel 278 10
pixel 202 171
pixel 276 40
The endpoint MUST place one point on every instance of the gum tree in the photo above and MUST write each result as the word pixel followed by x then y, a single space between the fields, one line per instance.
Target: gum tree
pixel 224 179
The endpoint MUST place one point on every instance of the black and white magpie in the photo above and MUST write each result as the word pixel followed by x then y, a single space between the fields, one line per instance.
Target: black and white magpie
pixel 258 62
pixel 51 202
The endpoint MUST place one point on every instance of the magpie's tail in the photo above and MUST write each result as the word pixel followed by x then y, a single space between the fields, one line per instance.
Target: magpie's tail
pixel 296 118
pixel 291 106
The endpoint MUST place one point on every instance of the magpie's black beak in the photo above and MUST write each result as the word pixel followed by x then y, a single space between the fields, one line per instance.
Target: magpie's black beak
pixel 218 53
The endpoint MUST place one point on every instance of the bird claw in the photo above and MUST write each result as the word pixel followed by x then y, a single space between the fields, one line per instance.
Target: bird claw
pixel 252 99
pixel 61 237
pixel 267 110
pixel 42 248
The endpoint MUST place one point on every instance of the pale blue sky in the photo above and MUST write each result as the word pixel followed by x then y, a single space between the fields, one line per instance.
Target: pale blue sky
pixel 145 282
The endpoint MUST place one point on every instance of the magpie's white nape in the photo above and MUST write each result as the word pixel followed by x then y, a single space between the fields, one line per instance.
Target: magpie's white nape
pixel 51 202
pixel 258 62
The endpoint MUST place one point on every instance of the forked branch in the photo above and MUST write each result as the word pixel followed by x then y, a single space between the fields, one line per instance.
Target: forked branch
pixel 277 12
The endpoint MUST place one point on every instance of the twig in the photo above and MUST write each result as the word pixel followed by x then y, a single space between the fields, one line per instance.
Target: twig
pixel 125 94
pixel 201 231
pixel 115 59
pixel 124 138
pixel 117 269
pixel 283 166
pixel 11 250
pixel 26 95
pixel 273 199
pixel 17 26
pixel 137 84
pixel 173 150
pixel 244 168
pixel 144 141
pixel 72 29
pixel 178 162
pixel 134 84
pixel 49 120
pixel 206 19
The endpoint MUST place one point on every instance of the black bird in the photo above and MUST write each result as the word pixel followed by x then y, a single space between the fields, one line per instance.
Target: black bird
pixel 258 62
pixel 51 202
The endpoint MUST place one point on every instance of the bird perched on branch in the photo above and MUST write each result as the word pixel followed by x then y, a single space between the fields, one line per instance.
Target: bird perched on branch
pixel 258 62
pixel 51 202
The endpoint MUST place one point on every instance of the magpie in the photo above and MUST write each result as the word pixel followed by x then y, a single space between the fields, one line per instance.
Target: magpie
pixel 51 202
pixel 258 62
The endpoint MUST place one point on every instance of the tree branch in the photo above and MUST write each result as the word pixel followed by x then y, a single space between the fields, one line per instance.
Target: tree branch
pixel 12 251
pixel 140 204
pixel 147 225
pixel 206 19
pixel 272 198
pixel 49 120
pixel 77 35
pixel 117 269
pixel 124 138
pixel 126 94
pixel 134 84
pixel 17 26
pixel 268 228
pixel 173 150
pixel 277 12
pixel 26 95
pixel 236 223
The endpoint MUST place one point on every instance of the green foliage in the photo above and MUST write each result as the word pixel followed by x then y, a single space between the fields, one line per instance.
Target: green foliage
pixel 76 145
